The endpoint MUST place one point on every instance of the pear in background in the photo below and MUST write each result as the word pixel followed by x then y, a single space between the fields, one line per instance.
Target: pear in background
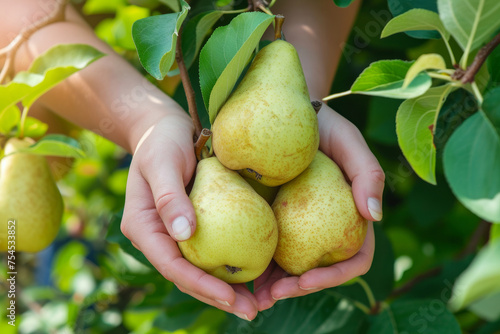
pixel 29 195
pixel 268 128
pixel 236 232
pixel 267 193
pixel 318 222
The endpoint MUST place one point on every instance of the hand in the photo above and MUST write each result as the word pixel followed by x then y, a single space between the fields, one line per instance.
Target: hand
pixel 341 141
pixel 158 213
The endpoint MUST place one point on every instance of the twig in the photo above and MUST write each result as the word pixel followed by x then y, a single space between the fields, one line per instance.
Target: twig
pixel 188 87
pixel 200 143
pixel 257 5
pixel 10 50
pixel 415 280
pixel 278 33
pixel 468 75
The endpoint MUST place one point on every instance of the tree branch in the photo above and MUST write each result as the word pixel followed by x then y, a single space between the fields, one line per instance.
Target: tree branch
pixel 188 87
pixel 10 50
pixel 468 75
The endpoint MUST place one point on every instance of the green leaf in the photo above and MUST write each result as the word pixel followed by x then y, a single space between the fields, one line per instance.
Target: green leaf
pixel 472 160
pixel 470 22
pixel 317 313
pixel 386 77
pixel 343 3
pixel 398 7
pixel 425 62
pixel 155 38
pixel 415 19
pixel 34 128
pixel 487 307
pixel 480 279
pixel 225 55
pixel 415 316
pixel 415 125
pixel 47 70
pixel 194 34
pixel 9 118
pixel 56 145
pixel 493 63
pixel 172 4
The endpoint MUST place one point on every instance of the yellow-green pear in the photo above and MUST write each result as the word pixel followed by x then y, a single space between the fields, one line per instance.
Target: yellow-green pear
pixel 318 222
pixel 268 128
pixel 28 196
pixel 267 193
pixel 236 232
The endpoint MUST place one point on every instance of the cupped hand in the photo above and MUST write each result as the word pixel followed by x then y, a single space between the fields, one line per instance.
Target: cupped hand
pixel 343 143
pixel 158 213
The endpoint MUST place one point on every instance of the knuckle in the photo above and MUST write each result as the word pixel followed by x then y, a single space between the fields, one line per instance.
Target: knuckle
pixel 378 174
pixel 162 203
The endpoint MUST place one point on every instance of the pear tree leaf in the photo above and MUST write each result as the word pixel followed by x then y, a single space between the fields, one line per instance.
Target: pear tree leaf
pixel 93 7
pixel 415 126
pixel 155 38
pixel 470 22
pixel 386 77
pixel 480 279
pixel 193 35
pixel 34 128
pixel 471 160
pixel 225 55
pixel 424 62
pixel 343 3
pixel 46 71
pixel 123 22
pixel 415 19
pixel 172 4
pixel 56 145
pixel 406 316
pixel 9 118
pixel 398 7
pixel 487 307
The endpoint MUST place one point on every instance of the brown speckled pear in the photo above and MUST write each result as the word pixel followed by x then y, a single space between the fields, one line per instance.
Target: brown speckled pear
pixel 268 128
pixel 236 232
pixel 29 195
pixel 318 222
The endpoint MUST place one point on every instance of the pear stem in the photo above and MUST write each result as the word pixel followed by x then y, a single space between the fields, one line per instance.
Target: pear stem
pixel 22 123
pixel 199 146
pixel 188 87
pixel 368 291
pixel 278 32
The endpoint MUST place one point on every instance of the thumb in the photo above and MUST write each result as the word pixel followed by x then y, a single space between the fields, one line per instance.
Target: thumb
pixel 172 203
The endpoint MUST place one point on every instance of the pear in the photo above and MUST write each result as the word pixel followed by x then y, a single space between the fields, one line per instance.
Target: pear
pixel 268 128
pixel 267 193
pixel 236 232
pixel 318 222
pixel 28 196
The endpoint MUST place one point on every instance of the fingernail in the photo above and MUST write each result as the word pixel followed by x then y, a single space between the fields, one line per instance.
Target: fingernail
pixel 242 316
pixel 281 298
pixel 223 302
pixel 375 208
pixel 313 288
pixel 181 228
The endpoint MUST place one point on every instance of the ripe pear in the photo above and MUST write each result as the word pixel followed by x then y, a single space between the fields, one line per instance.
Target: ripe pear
pixel 268 128
pixel 28 195
pixel 318 222
pixel 267 193
pixel 236 232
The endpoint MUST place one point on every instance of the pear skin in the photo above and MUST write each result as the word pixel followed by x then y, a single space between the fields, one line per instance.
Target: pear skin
pixel 236 232
pixel 268 128
pixel 267 193
pixel 28 195
pixel 318 222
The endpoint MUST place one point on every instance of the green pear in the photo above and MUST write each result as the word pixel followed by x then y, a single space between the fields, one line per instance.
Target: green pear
pixel 268 128
pixel 318 222
pixel 28 196
pixel 267 193
pixel 236 232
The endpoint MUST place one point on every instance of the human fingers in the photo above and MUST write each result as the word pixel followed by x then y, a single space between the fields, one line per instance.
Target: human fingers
pixel 322 278
pixel 263 284
pixel 143 226
pixel 343 142
pixel 243 307
pixel 167 171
